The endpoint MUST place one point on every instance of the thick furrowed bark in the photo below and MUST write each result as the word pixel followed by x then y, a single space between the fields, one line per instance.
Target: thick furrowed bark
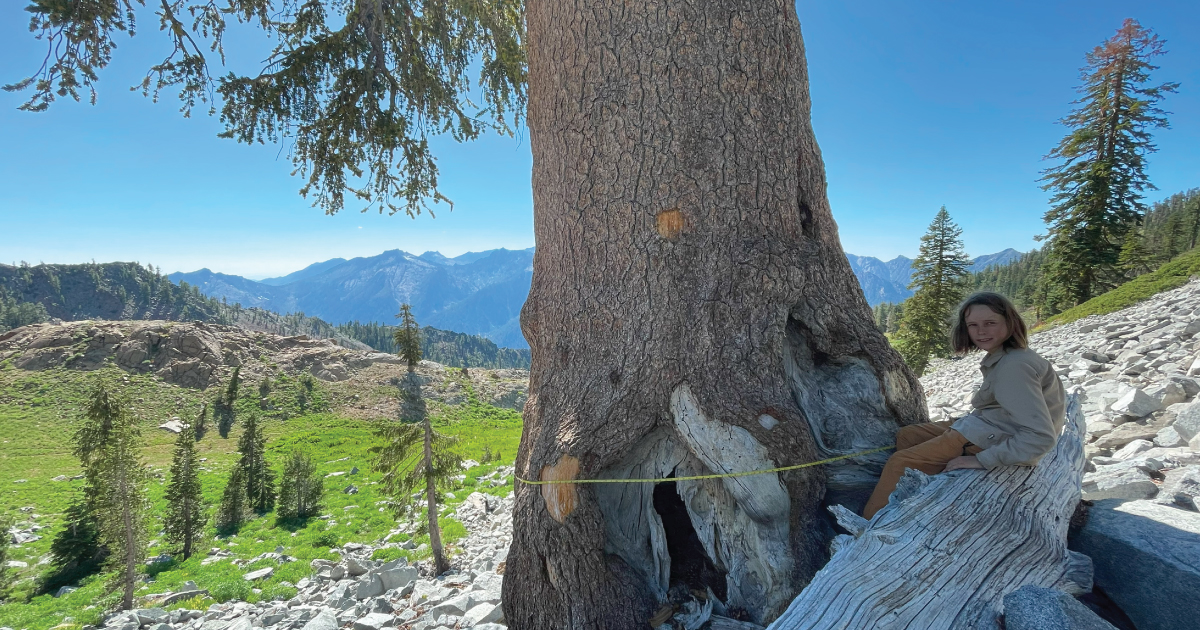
pixel 691 312
pixel 946 549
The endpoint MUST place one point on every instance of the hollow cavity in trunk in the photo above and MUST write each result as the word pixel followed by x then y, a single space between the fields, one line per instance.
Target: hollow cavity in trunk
pixel 691 566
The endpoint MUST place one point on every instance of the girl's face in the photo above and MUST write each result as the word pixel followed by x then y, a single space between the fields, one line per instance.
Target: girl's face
pixel 987 328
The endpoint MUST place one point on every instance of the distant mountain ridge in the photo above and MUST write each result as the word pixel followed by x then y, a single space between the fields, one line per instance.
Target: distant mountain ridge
pixel 479 293
pixel 888 281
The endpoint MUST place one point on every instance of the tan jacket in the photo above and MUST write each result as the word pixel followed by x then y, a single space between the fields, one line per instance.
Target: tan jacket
pixel 1018 412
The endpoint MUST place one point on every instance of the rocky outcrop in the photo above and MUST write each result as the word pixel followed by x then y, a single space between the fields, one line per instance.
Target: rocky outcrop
pixel 191 354
pixel 1147 558
pixel 199 355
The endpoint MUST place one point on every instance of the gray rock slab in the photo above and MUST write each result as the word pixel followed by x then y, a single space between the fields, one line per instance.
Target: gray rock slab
pixel 262 573
pixel 1035 608
pixel 370 586
pixel 1133 448
pixel 398 577
pixel 1169 437
pixel 1187 422
pixel 1126 433
pixel 487 587
pixel 354 567
pixel 1136 403
pixel 1123 483
pixel 152 615
pixel 1181 488
pixel 457 606
pixel 325 620
pixel 482 613
pixel 1147 559
pixel 241 623
pixel 373 621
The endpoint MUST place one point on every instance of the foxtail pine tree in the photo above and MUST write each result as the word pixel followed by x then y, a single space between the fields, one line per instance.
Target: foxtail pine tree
pixel 1100 178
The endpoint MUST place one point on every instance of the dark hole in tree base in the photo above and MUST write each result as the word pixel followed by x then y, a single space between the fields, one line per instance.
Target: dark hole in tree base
pixel 690 565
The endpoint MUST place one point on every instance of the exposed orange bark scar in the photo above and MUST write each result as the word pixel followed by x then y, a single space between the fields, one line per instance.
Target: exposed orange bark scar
pixel 670 223
pixel 560 497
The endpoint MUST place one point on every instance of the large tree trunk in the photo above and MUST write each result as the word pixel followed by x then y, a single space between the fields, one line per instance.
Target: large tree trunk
pixel 691 311
pixel 946 549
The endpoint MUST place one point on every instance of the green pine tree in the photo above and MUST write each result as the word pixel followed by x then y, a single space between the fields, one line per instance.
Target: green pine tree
pixel 76 551
pixel 1193 220
pixel 108 445
pixel 1099 183
pixel 234 509
pixel 301 488
pixel 407 337
pixel 1177 238
pixel 895 314
pixel 415 457
pixel 185 519
pixel 938 278
pixel 257 474
pixel 1135 259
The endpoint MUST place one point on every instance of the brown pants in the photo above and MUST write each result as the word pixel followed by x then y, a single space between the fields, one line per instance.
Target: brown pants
pixel 925 447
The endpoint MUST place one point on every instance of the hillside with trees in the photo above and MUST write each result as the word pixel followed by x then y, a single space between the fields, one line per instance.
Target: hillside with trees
pixel 130 291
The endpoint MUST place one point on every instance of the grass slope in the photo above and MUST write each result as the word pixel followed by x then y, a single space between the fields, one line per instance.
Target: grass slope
pixel 1169 276
pixel 39 411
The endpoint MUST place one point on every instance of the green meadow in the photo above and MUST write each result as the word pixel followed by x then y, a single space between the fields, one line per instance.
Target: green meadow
pixel 39 411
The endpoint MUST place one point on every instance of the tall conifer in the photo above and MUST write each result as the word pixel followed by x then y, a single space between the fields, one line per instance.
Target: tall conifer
pixel 256 473
pixel 414 456
pixel 408 337
pixel 1099 183
pixel 185 519
pixel 108 445
pixel 234 508
pixel 1135 259
pixel 300 488
pixel 938 274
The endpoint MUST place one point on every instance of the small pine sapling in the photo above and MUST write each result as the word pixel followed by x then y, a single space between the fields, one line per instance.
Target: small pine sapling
pixel 415 457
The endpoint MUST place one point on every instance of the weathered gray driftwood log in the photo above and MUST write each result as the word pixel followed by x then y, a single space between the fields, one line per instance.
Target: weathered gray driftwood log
pixel 947 548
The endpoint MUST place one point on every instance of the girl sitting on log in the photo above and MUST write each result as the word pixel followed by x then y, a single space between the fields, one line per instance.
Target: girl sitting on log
pixel 1017 413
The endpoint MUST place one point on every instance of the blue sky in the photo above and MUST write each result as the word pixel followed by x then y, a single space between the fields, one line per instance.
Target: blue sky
pixel 915 105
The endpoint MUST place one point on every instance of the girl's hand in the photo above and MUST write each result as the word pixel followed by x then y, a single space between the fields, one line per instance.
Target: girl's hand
pixel 966 461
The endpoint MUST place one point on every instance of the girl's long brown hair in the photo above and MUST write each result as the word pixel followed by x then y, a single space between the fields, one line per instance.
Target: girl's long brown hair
pixel 1018 335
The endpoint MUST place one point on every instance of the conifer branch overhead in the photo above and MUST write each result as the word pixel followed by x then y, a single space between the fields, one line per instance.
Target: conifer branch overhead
pixel 356 89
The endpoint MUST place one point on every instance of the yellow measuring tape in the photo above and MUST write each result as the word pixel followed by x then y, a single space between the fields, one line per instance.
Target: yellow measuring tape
pixel 698 477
